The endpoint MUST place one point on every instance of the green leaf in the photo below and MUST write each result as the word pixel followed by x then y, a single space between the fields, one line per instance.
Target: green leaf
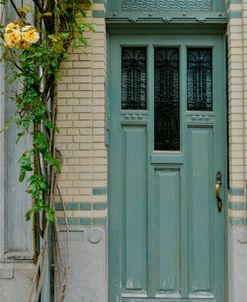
pixel 19 136
pixel 52 161
pixel 50 215
pixel 49 124
pixel 54 64
pixel 22 175
pixel 47 14
pixel 28 214
pixel 40 141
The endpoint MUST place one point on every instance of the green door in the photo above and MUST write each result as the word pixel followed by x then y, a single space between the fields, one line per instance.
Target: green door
pixel 167 153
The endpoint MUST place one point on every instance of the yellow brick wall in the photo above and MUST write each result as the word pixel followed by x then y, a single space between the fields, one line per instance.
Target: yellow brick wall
pixel 237 94
pixel 81 120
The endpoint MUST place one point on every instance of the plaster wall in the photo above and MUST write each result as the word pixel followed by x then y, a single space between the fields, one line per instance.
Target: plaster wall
pixel 16 268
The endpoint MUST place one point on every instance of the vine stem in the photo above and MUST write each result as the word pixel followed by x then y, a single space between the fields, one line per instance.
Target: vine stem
pixel 35 226
pixel 40 266
pixel 16 9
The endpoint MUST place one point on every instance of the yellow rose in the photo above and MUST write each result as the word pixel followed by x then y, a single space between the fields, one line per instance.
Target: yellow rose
pixel 22 44
pixel 29 34
pixel 12 38
pixel 12 26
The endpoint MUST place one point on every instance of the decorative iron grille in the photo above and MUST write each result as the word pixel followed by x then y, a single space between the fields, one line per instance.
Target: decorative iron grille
pixel 166 99
pixel 134 78
pixel 167 5
pixel 199 80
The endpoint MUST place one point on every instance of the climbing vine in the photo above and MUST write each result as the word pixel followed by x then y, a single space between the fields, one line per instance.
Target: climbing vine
pixel 34 46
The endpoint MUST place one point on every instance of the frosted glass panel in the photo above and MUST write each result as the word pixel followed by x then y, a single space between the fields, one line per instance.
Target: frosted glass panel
pixel 167 5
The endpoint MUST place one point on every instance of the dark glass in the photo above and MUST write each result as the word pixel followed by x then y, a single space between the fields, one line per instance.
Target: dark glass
pixel 134 78
pixel 199 80
pixel 166 99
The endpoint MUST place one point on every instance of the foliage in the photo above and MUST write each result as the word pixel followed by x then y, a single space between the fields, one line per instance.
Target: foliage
pixel 35 53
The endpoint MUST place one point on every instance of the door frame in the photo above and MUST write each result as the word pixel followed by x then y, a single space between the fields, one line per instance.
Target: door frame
pixel 112 31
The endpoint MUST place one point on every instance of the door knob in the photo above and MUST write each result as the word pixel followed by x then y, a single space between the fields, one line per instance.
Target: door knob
pixel 218 183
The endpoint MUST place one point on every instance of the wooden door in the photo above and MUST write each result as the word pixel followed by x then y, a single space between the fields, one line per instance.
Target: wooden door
pixel 167 152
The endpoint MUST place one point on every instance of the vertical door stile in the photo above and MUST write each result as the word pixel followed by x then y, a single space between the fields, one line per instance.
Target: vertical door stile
pixel 150 204
pixel 184 263
pixel 115 238
pixel 220 160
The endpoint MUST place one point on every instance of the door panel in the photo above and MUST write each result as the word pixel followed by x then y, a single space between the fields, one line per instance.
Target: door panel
pixel 167 196
pixel 200 193
pixel 135 203
pixel 166 236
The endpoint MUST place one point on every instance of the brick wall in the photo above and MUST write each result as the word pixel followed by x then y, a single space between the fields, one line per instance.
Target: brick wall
pixel 237 93
pixel 81 120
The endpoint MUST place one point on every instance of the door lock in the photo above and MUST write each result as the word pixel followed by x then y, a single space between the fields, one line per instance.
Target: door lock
pixel 218 183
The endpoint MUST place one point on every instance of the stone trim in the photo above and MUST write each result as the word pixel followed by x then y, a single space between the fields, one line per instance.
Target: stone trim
pixel 237 205
pixel 82 221
pixel 81 206
pixel 237 191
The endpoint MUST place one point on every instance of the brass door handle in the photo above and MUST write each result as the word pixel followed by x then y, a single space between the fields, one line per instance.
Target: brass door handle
pixel 218 183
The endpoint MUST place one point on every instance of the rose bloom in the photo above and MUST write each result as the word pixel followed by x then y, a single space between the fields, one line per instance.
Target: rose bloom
pixel 30 35
pixel 12 26
pixel 22 44
pixel 12 38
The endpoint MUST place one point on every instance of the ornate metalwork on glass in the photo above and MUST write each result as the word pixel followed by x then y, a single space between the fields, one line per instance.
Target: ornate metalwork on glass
pixel 166 99
pixel 134 78
pixel 167 5
pixel 199 80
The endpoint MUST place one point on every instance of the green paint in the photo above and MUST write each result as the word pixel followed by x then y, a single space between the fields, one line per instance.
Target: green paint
pixel 99 191
pixel 167 211
pixel 100 220
pixel 70 221
pixel 135 206
pixel 237 221
pixel 58 206
pixel 177 26
pixel 237 205
pixel 235 14
pixel 99 1
pixel 69 206
pixel 162 210
pixel 200 154
pixel 83 206
pixel 235 1
pixel 179 159
pixel 82 221
pixel 237 191
pixel 93 221
pixel 99 205
pixel 85 221
pixel 98 14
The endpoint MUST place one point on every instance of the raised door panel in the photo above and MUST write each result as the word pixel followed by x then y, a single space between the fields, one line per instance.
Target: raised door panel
pixel 201 205
pixel 134 207
pixel 168 227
